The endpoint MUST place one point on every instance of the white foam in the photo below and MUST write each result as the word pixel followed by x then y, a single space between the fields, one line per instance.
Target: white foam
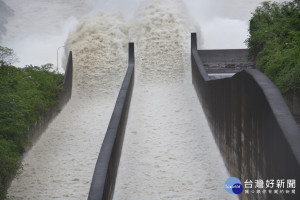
pixel 161 35
pixel 61 164
pixel 169 151
pixel 99 47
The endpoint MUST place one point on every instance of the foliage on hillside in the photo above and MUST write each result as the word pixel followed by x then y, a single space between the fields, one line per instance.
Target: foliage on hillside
pixel 274 42
pixel 25 95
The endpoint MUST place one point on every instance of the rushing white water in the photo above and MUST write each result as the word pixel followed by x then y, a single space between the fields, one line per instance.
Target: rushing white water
pixel 169 152
pixel 100 47
pixel 60 165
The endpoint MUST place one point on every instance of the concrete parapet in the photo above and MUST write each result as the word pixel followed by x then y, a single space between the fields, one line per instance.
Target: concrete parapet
pixel 252 126
pixel 104 178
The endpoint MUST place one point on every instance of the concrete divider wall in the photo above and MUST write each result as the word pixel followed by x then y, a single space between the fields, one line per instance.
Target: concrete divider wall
pixel 39 127
pixel 104 178
pixel 252 126
pixel 66 94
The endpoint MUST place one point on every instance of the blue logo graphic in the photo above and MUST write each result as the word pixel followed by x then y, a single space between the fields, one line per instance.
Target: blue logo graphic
pixel 233 186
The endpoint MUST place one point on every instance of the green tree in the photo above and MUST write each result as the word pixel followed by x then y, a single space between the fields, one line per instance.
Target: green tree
pixel 7 55
pixel 25 95
pixel 274 43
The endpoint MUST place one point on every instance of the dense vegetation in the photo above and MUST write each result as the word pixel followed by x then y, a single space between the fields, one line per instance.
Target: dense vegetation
pixel 25 94
pixel 274 43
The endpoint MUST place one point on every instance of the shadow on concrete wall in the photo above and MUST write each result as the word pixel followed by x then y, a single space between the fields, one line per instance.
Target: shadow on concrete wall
pixel 293 102
pixel 252 126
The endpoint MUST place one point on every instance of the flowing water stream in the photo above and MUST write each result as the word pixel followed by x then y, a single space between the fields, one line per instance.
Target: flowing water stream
pixel 60 165
pixel 168 151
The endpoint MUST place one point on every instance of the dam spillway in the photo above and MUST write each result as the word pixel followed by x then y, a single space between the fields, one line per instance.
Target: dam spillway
pixel 72 142
pixel 168 150
pixel 166 123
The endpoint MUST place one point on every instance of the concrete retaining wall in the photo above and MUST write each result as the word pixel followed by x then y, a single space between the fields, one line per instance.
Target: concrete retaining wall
pixel 39 127
pixel 252 126
pixel 104 178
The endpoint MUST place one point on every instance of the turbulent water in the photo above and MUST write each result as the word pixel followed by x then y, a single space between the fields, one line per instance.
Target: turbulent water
pixel 100 48
pixel 169 151
pixel 60 165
